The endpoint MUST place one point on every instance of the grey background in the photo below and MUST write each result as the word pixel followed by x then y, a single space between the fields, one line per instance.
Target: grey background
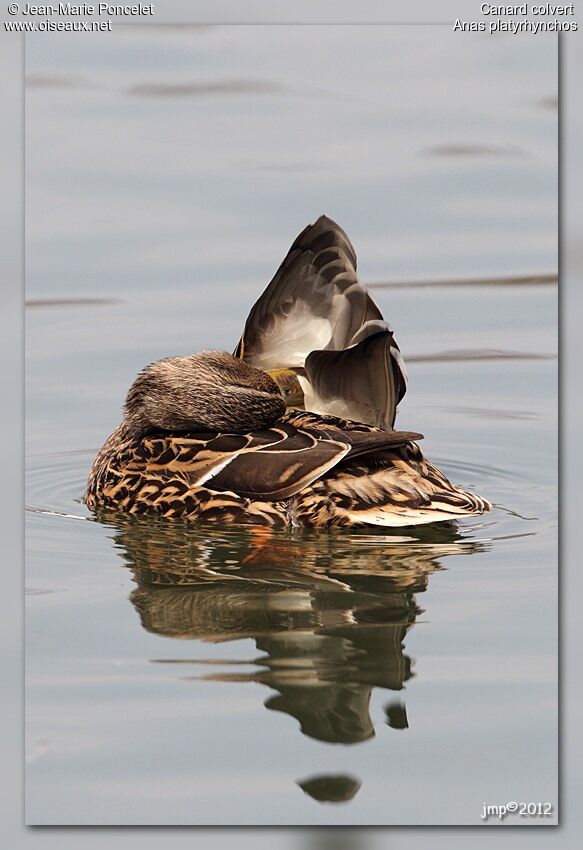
pixel 11 418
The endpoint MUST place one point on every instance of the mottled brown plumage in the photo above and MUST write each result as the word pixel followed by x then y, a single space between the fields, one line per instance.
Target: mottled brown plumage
pixel 305 469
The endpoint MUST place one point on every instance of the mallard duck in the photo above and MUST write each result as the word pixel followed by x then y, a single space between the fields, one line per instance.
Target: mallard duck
pixel 294 428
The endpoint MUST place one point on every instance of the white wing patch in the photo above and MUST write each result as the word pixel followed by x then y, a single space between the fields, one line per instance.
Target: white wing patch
pixel 215 470
pixel 291 338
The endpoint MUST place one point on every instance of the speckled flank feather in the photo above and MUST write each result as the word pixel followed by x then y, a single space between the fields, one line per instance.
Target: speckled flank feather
pixel 307 470
pixel 397 487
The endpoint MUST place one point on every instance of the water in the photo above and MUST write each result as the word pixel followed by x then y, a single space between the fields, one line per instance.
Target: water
pixel 182 674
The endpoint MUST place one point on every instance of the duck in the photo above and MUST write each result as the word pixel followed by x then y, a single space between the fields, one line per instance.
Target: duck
pixel 294 428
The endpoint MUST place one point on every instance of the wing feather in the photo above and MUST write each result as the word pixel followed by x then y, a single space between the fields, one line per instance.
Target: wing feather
pixel 272 465
pixel 315 313
pixel 364 383
pixel 314 301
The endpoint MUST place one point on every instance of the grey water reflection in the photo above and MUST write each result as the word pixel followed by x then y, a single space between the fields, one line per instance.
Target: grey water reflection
pixel 329 614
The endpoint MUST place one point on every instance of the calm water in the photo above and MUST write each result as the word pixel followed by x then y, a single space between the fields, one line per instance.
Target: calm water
pixel 182 674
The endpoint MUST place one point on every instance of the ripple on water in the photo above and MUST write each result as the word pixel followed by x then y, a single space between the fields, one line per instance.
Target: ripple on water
pixel 55 482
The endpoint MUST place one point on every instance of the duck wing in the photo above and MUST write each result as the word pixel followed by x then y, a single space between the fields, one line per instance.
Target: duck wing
pixel 364 382
pixel 315 301
pixel 271 465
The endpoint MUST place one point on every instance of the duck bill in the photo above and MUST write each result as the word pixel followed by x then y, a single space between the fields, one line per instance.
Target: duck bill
pixel 289 385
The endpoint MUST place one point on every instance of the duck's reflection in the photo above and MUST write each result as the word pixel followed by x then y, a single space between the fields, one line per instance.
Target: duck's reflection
pixel 396 715
pixel 328 611
pixel 328 788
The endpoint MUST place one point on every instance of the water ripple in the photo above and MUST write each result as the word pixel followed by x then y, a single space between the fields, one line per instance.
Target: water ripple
pixel 55 483
pixel 71 302
pixel 470 354
pixel 201 89
pixel 511 280
pixel 464 150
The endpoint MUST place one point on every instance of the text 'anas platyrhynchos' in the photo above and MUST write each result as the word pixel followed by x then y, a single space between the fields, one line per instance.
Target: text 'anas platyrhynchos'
pixel 213 435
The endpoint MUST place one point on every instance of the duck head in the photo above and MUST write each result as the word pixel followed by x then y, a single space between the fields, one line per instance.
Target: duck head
pixel 208 391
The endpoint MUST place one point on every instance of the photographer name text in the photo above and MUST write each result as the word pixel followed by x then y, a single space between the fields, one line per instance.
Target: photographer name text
pixel 86 9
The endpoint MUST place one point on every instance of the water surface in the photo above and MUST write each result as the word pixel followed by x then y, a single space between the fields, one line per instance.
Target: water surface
pixel 178 673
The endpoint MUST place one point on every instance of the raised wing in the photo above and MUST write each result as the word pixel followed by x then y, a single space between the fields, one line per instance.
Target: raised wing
pixel 316 316
pixel 314 301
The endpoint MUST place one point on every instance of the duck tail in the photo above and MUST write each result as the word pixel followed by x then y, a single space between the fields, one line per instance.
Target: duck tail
pixel 405 490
